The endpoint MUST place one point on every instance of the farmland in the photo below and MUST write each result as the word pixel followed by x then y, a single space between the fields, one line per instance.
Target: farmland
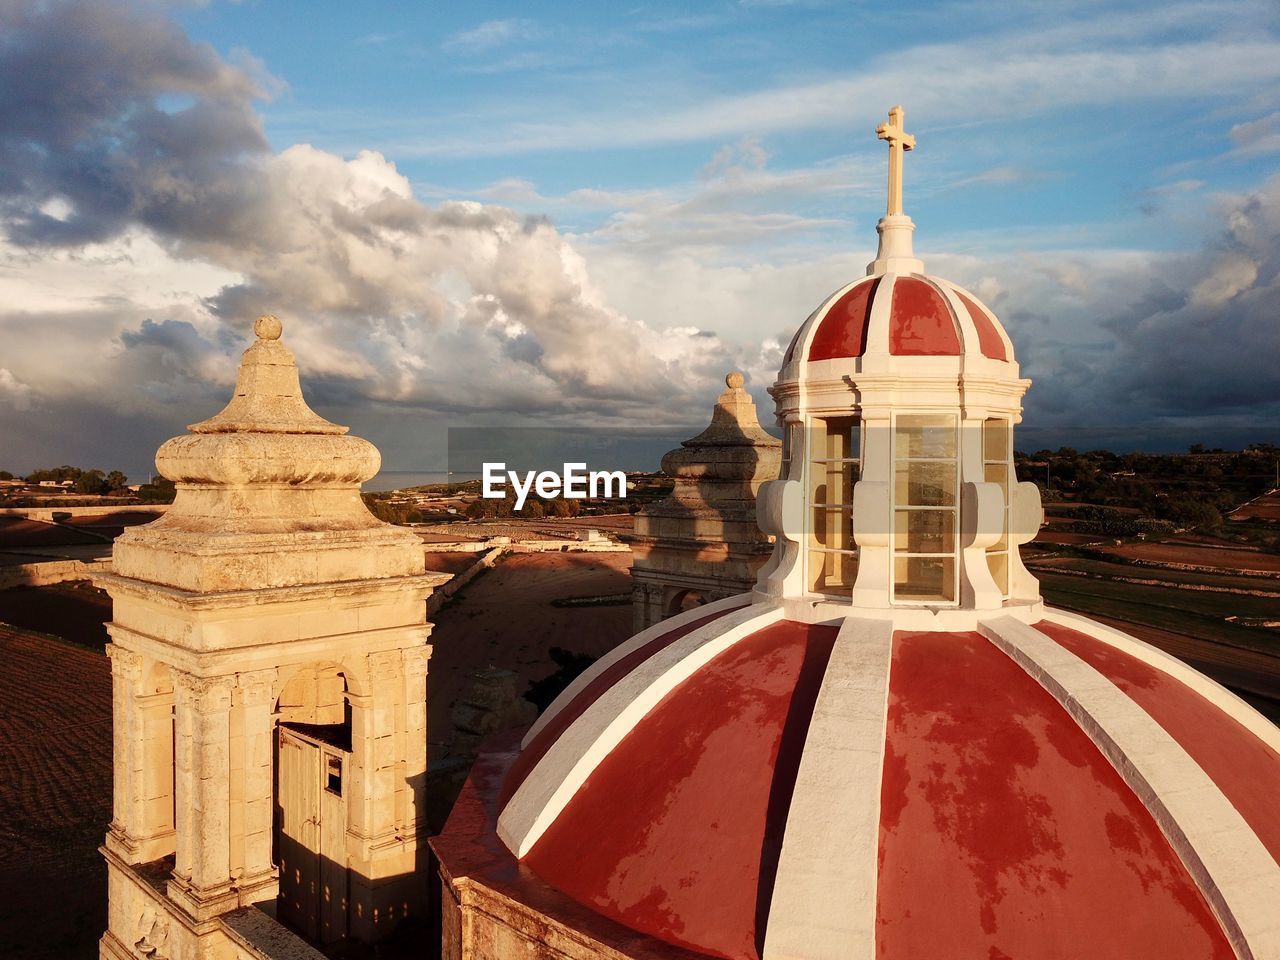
pixel 1183 552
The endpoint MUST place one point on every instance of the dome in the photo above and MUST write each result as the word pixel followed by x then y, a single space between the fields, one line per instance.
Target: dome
pixel 891 746
pixel 912 315
pixel 741 784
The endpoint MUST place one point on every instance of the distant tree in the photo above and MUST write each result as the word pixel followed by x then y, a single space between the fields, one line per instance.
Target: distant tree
pixel 159 490
pixel 5 475
pixel 64 472
pixel 413 516
pixel 480 509
pixel 1196 448
pixel 91 481
pixel 116 481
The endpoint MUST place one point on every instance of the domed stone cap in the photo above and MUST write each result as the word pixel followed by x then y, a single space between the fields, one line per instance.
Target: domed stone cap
pixel 268 396
pixel 911 315
pixel 733 446
pixel 267 433
pixel 745 785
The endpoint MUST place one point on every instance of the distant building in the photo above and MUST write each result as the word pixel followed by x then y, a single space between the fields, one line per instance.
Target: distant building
pixel 702 543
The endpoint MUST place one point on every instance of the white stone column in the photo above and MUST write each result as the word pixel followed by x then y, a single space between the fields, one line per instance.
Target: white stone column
pixel 142 827
pixel 202 882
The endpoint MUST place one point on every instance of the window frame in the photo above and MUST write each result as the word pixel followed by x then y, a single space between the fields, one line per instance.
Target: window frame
pixel 894 553
pixel 1007 550
pixel 815 427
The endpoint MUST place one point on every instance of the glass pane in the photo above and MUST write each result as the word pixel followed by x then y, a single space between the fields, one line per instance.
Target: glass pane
pixel 832 527
pixel 925 435
pixel 924 531
pixel 923 484
pixel 995 439
pixel 998 564
pixel 924 578
pixel 832 572
pixel 998 473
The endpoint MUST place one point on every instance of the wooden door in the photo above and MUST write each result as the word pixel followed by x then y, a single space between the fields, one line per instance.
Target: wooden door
pixel 298 833
pixel 333 846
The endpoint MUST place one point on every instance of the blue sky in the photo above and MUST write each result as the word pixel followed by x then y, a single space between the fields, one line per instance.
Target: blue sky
pixel 1089 115
pixel 585 213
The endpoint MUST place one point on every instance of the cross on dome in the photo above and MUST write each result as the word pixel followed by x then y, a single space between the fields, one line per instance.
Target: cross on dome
pixel 895 227
pixel 899 142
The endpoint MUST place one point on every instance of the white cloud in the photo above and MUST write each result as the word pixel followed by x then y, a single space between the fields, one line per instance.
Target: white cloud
pixel 940 82
pixel 1231 275
pixel 13 391
pixel 492 34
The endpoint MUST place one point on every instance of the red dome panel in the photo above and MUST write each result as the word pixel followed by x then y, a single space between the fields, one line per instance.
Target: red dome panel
pixel 920 322
pixel 665 836
pixel 843 331
pixel 989 339
pixel 1004 829
pixel 1244 768
pixel 589 694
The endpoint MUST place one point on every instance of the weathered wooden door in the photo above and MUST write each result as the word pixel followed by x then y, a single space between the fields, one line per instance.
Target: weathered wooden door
pixel 298 833
pixel 311 836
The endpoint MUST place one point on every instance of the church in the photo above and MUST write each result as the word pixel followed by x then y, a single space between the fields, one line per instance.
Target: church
pixel 889 746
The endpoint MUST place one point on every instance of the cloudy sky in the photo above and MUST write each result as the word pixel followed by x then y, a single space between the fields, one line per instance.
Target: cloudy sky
pixel 585 214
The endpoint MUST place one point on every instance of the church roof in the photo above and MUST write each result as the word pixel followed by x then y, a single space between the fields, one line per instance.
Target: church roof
pixel 857 760
pixel 907 315
pixel 741 784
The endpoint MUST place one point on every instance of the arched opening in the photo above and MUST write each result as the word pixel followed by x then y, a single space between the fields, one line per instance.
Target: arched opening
pixel 313 764
pixel 684 600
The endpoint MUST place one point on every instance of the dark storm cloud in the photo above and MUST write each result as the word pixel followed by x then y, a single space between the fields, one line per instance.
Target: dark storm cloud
pixel 116 117
pixel 1210 345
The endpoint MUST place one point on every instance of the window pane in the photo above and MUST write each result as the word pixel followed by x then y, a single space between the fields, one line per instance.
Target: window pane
pixel 924 531
pixel 924 578
pixel 832 527
pixel 924 484
pixel 926 435
pixel 998 473
pixel 832 571
pixel 834 443
pixel 995 439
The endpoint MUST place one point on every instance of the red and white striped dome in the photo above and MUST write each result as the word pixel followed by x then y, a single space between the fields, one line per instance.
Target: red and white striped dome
pixel 744 785
pixel 901 315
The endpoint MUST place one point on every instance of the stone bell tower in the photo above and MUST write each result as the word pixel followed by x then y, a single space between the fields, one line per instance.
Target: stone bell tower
pixel 702 543
pixel 269 660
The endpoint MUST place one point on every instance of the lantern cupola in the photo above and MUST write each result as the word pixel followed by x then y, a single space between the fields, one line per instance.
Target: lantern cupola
pixel 898 398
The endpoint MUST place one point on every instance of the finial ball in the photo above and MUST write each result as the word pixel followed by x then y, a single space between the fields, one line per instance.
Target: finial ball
pixel 734 381
pixel 268 327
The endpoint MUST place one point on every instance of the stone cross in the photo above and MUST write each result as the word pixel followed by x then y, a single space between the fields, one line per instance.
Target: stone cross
pixel 899 141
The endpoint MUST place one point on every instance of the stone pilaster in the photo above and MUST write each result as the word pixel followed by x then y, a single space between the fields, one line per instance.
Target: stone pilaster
pixel 142 826
pixel 252 789
pixel 202 882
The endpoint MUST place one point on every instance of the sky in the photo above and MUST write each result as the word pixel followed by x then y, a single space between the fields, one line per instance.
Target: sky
pixel 583 215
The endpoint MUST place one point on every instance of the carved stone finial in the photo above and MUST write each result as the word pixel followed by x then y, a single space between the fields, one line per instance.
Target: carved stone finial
pixel 734 381
pixel 268 327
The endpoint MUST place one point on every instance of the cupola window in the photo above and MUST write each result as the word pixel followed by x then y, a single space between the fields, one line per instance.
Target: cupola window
pixel 925 497
pixel 834 465
pixel 997 457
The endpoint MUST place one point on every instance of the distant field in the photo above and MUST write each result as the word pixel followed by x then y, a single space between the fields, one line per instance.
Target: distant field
pixel 1223 558
pixel 1196 613
pixel 1264 508
pixel 1116 571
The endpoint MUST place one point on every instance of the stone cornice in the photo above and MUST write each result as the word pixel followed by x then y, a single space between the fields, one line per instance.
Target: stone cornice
pixel 230 599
